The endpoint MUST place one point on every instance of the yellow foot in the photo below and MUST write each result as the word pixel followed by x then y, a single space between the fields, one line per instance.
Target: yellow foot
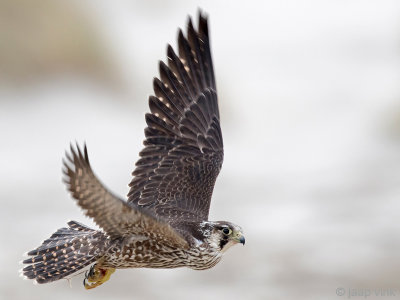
pixel 96 276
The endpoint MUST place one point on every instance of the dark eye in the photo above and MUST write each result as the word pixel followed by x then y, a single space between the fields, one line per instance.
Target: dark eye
pixel 226 230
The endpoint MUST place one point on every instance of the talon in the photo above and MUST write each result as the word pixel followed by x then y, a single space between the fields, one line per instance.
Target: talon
pixel 90 272
pixel 96 276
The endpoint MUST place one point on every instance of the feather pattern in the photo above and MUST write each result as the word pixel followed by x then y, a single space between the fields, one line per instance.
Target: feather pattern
pixel 112 214
pixel 175 175
pixel 64 253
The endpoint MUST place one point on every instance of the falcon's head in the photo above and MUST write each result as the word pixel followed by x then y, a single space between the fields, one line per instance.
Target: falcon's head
pixel 223 235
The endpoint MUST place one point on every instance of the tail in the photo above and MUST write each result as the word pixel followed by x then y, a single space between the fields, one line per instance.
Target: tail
pixel 66 252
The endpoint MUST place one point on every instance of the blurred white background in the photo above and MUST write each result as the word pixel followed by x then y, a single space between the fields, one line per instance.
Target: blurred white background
pixel 310 105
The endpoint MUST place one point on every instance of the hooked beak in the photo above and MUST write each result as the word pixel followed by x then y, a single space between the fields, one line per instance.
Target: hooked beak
pixel 239 238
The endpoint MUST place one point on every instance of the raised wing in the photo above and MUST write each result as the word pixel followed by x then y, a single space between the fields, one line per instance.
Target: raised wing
pixel 113 215
pixel 183 154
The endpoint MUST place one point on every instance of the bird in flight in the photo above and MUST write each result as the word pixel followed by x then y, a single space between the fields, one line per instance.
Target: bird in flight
pixel 164 222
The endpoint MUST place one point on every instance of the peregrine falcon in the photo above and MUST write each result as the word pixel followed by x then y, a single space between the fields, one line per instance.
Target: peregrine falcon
pixel 164 222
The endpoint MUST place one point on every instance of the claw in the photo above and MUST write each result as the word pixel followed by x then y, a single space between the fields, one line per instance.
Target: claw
pixel 96 276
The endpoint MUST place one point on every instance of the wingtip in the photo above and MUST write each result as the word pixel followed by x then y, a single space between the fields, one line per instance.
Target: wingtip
pixel 203 24
pixel 76 154
pixel 161 66
pixel 170 51
pixel 78 149
pixel 72 150
pixel 180 35
pixel 189 22
pixel 85 151
pixel 68 156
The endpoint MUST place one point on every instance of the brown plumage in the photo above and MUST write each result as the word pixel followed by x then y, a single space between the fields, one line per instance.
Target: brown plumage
pixel 164 223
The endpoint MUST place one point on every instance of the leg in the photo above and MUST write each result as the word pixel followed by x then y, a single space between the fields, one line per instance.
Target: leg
pixel 96 276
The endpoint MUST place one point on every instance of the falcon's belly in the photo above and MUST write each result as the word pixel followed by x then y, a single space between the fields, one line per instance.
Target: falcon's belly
pixel 146 253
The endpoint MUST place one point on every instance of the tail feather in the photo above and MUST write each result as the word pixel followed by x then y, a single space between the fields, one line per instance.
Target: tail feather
pixel 58 241
pixel 67 251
